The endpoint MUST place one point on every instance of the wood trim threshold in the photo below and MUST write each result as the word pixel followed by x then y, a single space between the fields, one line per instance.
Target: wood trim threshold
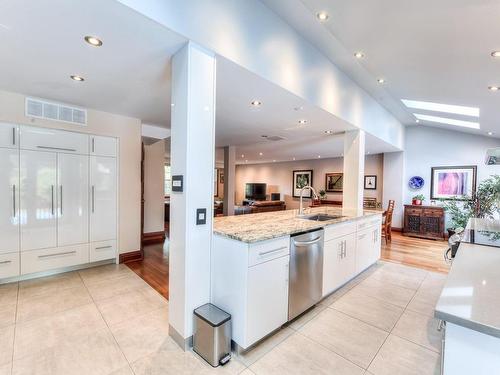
pixel 132 256
pixel 153 237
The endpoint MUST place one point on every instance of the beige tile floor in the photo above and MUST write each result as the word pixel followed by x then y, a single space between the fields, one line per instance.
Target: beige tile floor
pixel 106 320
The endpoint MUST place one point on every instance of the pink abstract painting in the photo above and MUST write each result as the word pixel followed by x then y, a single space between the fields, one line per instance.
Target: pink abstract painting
pixel 452 183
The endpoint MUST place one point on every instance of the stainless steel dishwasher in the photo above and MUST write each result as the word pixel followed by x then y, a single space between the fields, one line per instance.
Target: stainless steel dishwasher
pixel 306 272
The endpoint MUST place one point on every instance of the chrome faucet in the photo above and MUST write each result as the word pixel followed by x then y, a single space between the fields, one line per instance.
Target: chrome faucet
pixel 315 196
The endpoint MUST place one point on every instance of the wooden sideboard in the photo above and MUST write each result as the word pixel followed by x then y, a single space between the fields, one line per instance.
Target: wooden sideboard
pixel 424 222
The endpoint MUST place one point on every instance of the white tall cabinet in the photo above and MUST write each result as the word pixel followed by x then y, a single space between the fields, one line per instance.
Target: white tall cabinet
pixel 58 199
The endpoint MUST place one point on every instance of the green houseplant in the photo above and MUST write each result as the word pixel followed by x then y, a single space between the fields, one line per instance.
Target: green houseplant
pixel 485 203
pixel 418 199
pixel 322 194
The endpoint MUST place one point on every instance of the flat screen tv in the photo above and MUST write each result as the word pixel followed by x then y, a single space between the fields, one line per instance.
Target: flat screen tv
pixel 256 192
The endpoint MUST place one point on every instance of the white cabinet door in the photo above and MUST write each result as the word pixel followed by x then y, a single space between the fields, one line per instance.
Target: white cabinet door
pixel 267 298
pixel 9 135
pixel 38 199
pixel 102 146
pixel 377 243
pixel 72 198
pixel 102 198
pixel 43 139
pixel 364 249
pixel 332 255
pixel 9 200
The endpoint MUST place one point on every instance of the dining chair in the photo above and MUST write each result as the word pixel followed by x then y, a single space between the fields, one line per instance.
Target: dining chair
pixel 387 223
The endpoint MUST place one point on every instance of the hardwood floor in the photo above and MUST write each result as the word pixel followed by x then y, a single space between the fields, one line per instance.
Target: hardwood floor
pixel 416 252
pixel 153 269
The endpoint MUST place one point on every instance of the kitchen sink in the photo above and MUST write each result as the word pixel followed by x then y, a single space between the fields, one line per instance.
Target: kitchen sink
pixel 321 217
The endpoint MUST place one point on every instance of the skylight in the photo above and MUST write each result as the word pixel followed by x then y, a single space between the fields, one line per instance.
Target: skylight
pixel 449 121
pixel 445 108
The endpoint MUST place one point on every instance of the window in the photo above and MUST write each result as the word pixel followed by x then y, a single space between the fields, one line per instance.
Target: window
pixel 168 180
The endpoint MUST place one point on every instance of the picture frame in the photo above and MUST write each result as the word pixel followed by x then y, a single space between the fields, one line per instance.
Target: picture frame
pixel 455 182
pixel 300 179
pixel 216 182
pixel 370 182
pixel 334 182
pixel 221 176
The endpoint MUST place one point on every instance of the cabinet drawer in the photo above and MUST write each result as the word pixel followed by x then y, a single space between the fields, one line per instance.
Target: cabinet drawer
pixel 414 211
pixel 339 230
pixel 102 146
pixel 267 250
pixel 369 222
pixel 48 259
pixel 9 265
pixel 42 139
pixel 102 250
pixel 9 135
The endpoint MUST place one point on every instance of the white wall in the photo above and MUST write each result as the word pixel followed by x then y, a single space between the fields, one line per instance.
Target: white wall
pixel 253 36
pixel 278 177
pixel 154 187
pixel 128 131
pixel 428 147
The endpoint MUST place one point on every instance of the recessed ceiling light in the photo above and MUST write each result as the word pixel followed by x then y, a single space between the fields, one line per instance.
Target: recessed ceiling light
pixel 328 132
pixel 381 80
pixel 322 16
pixel 242 155
pixel 93 41
pixel 260 153
pixel 77 78
pixel 417 121
pixel 274 161
pixel 302 122
pixel 256 103
pixel 359 55
pixel 438 107
pixel 246 161
pixel 449 121
pixel 263 136
pixel 293 158
pixel 495 54
pixel 319 156
pixel 490 133
pixel 493 88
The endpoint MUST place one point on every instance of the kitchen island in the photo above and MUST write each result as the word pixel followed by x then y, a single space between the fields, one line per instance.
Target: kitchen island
pixel 470 303
pixel 250 262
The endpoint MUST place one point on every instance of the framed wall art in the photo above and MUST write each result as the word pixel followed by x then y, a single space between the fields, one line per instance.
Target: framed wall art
pixel 453 182
pixel 334 182
pixel 301 179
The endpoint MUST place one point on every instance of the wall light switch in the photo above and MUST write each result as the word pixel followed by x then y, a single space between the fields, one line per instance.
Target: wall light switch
pixel 201 216
pixel 177 183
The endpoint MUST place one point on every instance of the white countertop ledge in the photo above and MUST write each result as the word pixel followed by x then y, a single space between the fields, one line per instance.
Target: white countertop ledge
pixel 267 225
pixel 471 295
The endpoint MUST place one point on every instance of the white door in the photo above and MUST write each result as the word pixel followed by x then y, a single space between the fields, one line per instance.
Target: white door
pixel 364 246
pixel 9 200
pixel 332 274
pixel 102 198
pixel 38 199
pixel 267 303
pixel 72 199
pixel 377 243
pixel 9 135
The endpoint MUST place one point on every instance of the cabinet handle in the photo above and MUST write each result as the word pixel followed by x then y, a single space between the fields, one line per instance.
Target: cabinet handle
pixel 14 200
pixel 56 255
pixel 14 136
pixel 6 262
pixel 61 194
pixel 345 247
pixel 56 148
pixel 270 251
pixel 93 200
pixel 103 247
pixel 93 144
pixel 306 243
pixel 52 189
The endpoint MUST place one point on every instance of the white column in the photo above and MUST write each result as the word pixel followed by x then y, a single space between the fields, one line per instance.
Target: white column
pixel 394 185
pixel 192 156
pixel 354 169
pixel 229 179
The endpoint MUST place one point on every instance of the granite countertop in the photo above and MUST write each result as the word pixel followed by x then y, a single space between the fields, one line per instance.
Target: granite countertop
pixel 471 295
pixel 263 226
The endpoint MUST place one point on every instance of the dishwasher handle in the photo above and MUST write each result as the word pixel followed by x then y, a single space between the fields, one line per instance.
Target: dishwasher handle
pixel 307 243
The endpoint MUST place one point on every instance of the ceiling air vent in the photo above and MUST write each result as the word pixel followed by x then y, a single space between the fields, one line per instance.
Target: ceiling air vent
pixel 49 110
pixel 275 138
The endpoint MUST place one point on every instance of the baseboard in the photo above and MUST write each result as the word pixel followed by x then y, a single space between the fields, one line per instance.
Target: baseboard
pixel 184 343
pixel 131 256
pixel 397 229
pixel 153 237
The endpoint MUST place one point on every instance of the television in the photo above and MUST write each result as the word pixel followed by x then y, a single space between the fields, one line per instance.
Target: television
pixel 256 192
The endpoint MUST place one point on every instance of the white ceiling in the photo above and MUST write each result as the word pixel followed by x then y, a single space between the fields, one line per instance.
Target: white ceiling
pixel 130 75
pixel 428 50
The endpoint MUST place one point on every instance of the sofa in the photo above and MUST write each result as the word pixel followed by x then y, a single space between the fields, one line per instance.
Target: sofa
pixel 254 207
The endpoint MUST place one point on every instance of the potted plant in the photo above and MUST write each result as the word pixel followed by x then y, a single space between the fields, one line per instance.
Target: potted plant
pixel 485 203
pixel 418 199
pixel 322 194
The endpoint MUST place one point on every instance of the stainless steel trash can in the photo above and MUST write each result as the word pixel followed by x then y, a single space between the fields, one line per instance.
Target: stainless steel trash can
pixel 212 334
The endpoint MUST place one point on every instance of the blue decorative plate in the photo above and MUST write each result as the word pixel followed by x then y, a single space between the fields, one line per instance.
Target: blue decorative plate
pixel 416 182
